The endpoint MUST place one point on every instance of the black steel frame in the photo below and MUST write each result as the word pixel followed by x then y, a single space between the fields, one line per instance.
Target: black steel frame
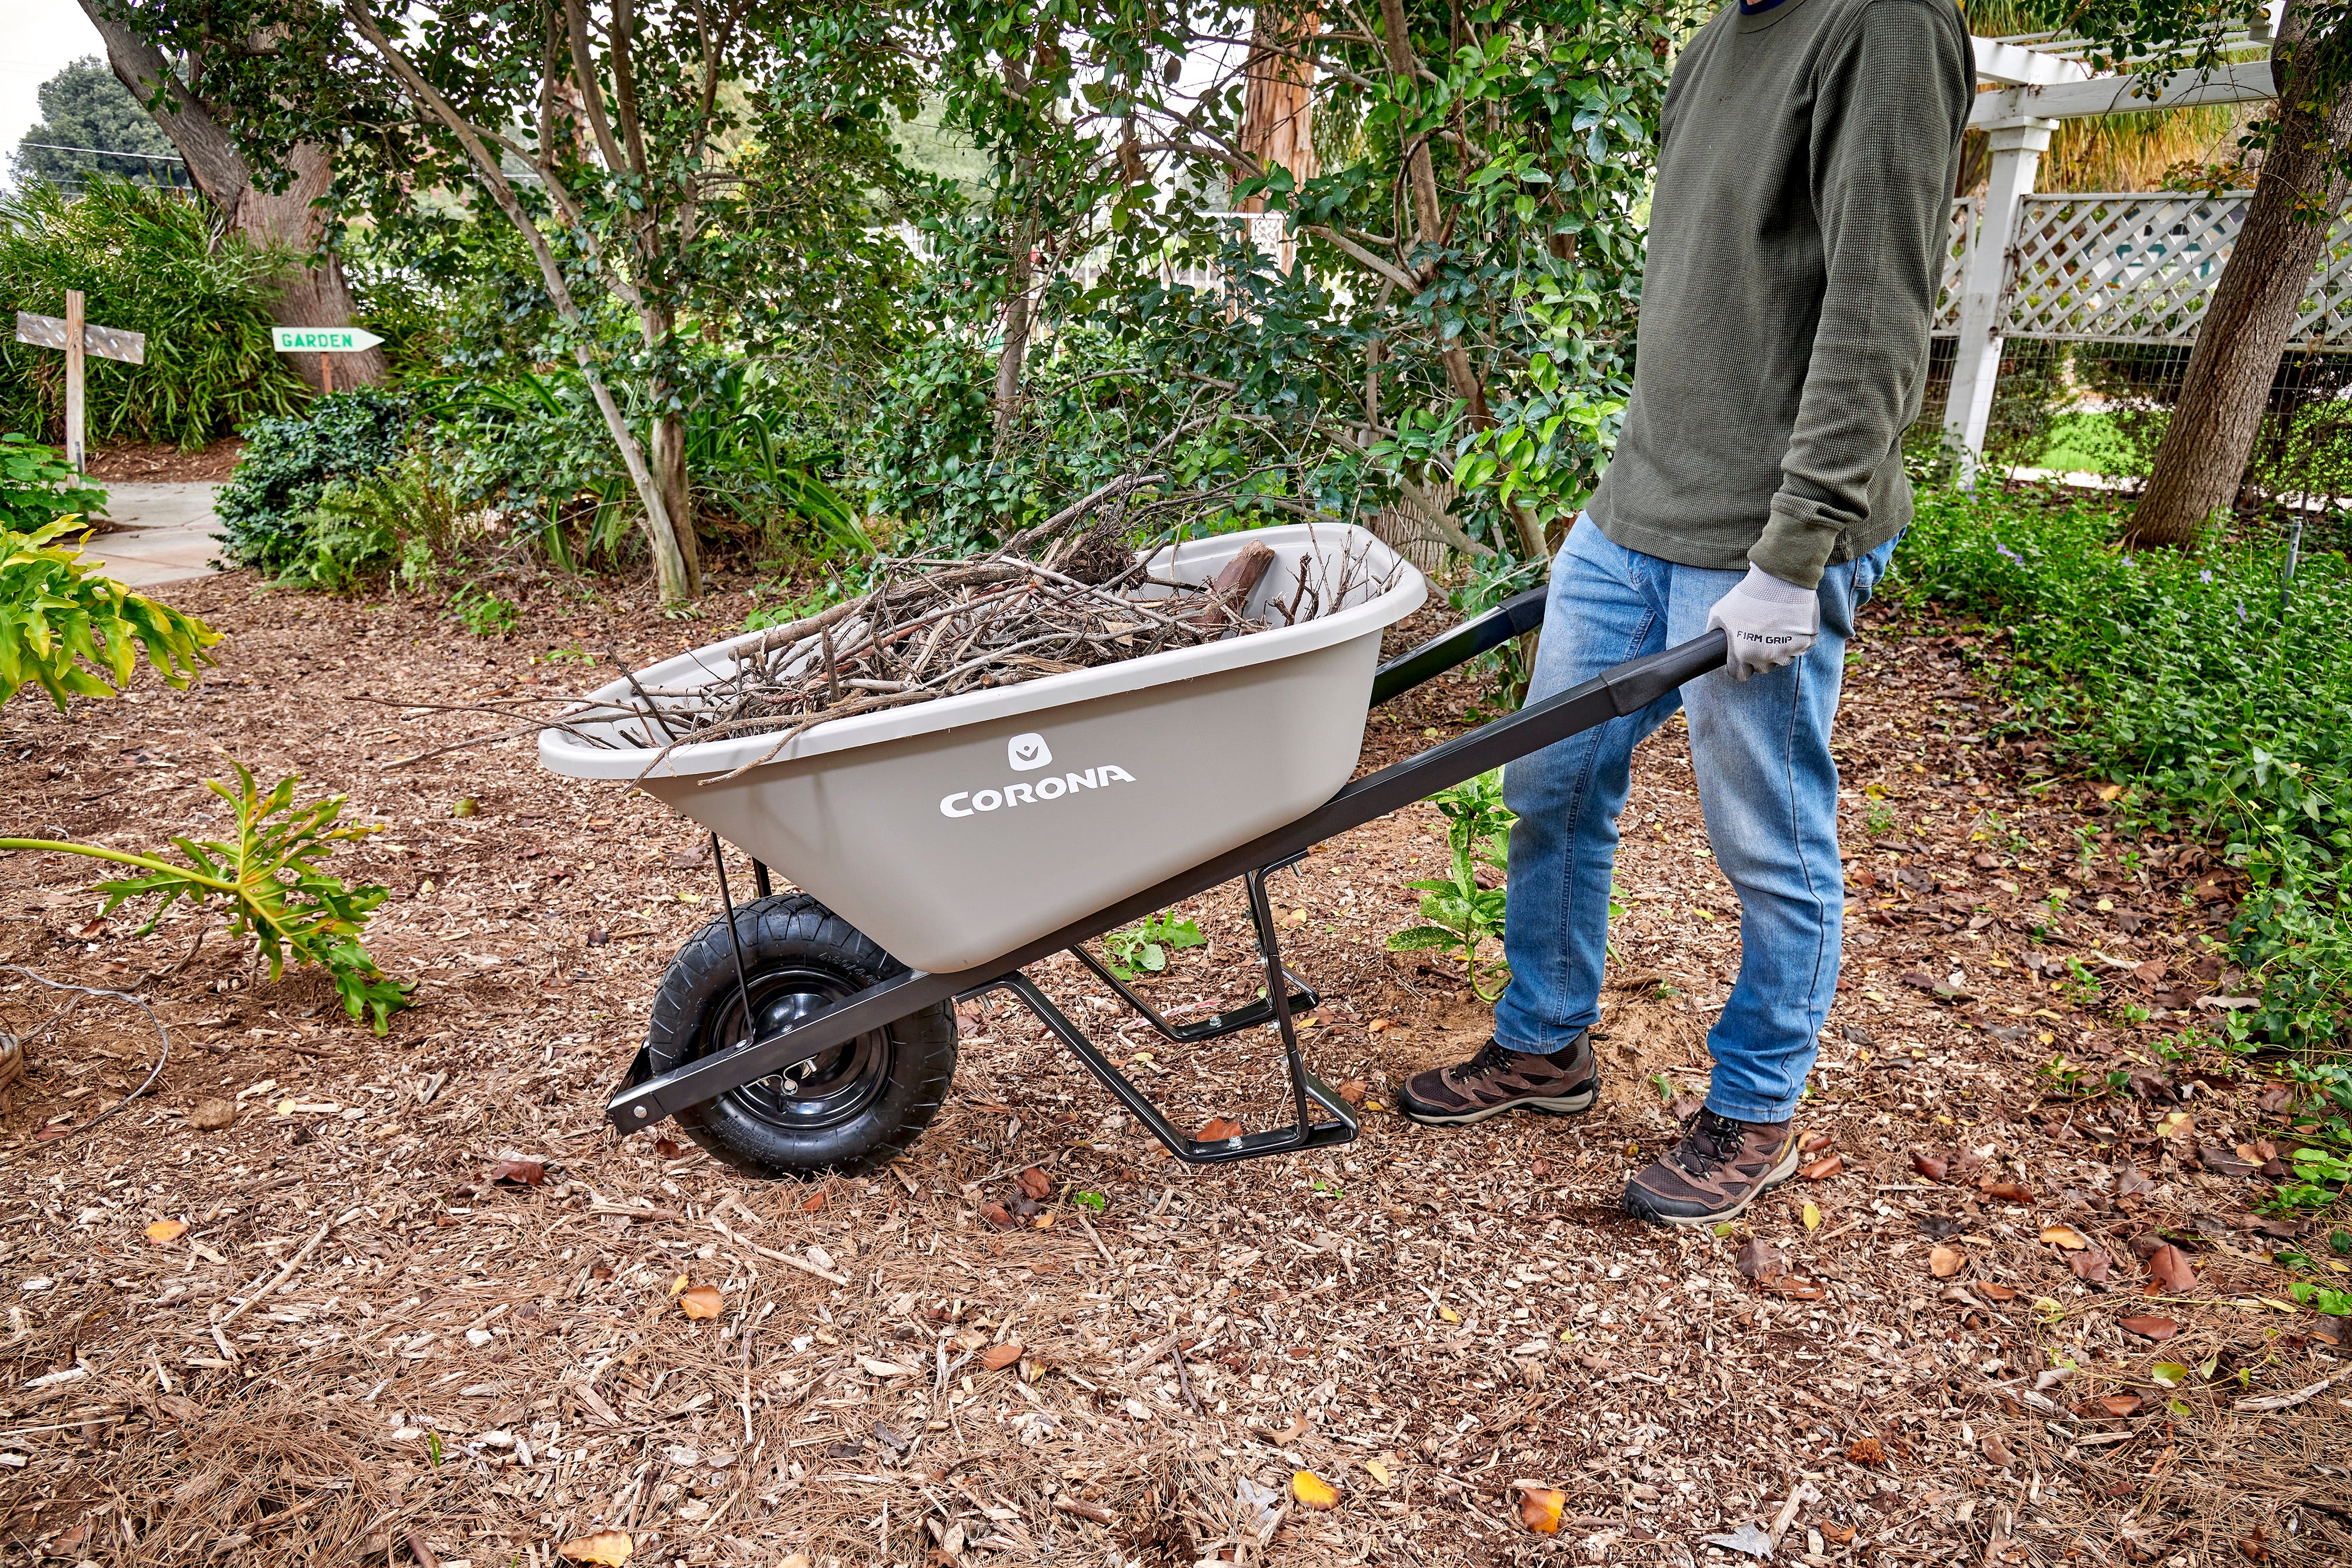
pixel 644 1099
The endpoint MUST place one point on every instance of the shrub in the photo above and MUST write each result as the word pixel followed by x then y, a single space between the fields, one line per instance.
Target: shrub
pixel 401 521
pixel 153 261
pixel 288 461
pixel 36 488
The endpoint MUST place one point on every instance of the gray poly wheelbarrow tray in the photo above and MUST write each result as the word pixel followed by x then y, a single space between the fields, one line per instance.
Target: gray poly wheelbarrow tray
pixel 972 836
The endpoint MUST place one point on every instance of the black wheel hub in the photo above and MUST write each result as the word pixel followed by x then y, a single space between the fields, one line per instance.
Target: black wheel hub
pixel 832 1089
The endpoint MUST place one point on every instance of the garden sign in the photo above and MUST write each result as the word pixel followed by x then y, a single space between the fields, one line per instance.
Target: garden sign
pixel 76 337
pixel 323 341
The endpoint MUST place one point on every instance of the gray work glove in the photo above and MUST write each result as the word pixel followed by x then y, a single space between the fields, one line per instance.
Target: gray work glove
pixel 1768 623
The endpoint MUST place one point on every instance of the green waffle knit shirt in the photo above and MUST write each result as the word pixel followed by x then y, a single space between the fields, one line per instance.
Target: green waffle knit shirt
pixel 1807 157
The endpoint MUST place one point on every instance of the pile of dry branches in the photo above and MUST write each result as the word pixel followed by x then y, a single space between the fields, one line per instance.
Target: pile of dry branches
pixel 1054 599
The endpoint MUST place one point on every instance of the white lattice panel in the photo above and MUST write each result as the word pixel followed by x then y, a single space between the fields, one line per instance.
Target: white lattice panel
pixel 2142 267
pixel 1956 262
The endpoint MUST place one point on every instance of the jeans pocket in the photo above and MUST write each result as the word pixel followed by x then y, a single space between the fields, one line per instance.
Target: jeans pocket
pixel 1870 569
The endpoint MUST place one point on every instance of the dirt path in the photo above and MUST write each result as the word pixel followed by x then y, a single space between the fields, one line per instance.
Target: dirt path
pixel 479 1370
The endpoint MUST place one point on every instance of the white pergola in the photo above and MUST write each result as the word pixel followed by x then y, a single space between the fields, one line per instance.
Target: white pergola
pixel 2044 79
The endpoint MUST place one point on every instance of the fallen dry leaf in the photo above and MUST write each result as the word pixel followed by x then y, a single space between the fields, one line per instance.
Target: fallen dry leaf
pixel 608 1547
pixel 529 1172
pixel 797 1560
pixel 1352 1092
pixel 2169 1268
pixel 1216 1129
pixel 700 1302
pixel 164 1232
pixel 996 1215
pixel 997 1357
pixel 2007 1191
pixel 1759 1259
pixel 2065 1235
pixel 210 1115
pixel 2150 1327
pixel 1997 1292
pixel 1947 1261
pixel 2090 1266
pixel 1836 1535
pixel 1378 1471
pixel 1995 1451
pixel 669 1148
pixel 1823 1168
pixel 812 1202
pixel 1931 1167
pixel 1036 1185
pixel 1313 1491
pixel 1540 1509
pixel 1866 1451
pixel 1814 1142
pixel 2120 1404
pixel 1796 1290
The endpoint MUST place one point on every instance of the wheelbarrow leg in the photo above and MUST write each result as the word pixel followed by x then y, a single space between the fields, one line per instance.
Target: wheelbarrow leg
pixel 1308 1092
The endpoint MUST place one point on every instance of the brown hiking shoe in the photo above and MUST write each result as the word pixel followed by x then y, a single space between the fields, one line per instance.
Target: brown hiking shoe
pixel 1719 1169
pixel 1500 1078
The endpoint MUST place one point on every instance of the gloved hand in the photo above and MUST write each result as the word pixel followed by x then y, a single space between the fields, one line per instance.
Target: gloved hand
pixel 1768 622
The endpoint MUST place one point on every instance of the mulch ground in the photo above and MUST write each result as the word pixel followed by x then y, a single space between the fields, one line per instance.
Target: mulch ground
pixel 161 462
pixel 2000 1322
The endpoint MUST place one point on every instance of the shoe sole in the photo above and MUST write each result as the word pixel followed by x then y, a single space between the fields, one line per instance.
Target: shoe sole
pixel 1776 1177
pixel 1574 1104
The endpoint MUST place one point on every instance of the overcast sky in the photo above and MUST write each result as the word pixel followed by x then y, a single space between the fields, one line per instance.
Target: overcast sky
pixel 42 38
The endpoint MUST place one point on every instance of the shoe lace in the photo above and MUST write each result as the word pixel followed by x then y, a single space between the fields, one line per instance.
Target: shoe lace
pixel 1709 1141
pixel 1492 1058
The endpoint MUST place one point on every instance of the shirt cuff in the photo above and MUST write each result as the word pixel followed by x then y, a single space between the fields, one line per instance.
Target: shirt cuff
pixel 1798 542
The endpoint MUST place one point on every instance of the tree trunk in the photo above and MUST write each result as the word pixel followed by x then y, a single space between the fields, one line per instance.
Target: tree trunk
pixel 1278 103
pixel 667 457
pixel 315 293
pixel 1429 226
pixel 1015 352
pixel 2202 460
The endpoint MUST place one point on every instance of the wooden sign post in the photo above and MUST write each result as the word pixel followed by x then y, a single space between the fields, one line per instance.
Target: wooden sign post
pixel 324 342
pixel 78 339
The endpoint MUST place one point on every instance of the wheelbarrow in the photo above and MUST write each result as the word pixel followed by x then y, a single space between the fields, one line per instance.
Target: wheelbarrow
pixel 941 848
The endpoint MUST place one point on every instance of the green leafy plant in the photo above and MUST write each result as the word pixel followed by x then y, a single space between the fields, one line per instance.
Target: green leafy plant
pixel 1093 1200
pixel 1458 912
pixel 2321 1299
pixel 73 631
pixel 484 613
pixel 1145 947
pixel 273 887
pixel 38 486
pixel 289 461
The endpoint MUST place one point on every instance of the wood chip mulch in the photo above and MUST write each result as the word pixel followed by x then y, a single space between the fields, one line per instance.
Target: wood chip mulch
pixel 442 1366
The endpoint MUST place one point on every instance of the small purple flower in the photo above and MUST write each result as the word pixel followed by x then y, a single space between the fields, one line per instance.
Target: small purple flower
pixel 2206 576
pixel 2241 611
pixel 2007 553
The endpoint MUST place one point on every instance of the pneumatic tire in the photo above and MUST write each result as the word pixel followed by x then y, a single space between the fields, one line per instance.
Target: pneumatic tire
pixel 850 1111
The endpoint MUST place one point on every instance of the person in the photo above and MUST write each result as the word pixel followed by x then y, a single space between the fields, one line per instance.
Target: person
pixel 1808 153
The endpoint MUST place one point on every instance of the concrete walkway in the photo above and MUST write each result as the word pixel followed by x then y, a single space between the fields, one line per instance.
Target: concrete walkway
pixel 162 533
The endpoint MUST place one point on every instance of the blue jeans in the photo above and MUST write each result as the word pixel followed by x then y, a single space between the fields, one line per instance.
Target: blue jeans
pixel 1765 781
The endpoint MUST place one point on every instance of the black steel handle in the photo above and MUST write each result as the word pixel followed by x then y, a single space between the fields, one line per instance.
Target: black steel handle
pixel 1515 616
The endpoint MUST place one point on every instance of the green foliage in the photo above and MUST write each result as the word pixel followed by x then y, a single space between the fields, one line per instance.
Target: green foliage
pixel 2223 714
pixel 73 631
pixel 2322 1299
pixel 288 461
pixel 85 105
pixel 1459 913
pixel 151 261
pixel 272 885
pixel 484 613
pixel 1145 947
pixel 38 486
pixel 399 522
